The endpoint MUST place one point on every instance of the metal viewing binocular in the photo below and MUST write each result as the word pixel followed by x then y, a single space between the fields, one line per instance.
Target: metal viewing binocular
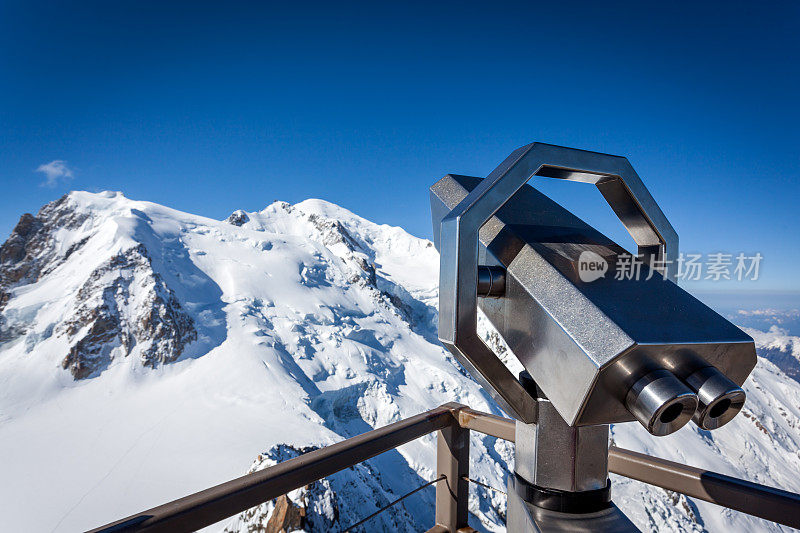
pixel 600 349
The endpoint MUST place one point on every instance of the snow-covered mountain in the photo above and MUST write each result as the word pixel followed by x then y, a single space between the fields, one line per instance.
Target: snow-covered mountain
pixel 147 353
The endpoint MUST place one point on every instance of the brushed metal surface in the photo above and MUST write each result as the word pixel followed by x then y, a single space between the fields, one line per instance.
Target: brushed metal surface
pixel 553 454
pixel 584 343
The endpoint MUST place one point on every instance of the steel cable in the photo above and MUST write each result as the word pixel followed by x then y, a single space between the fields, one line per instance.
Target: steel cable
pixel 465 478
pixel 401 498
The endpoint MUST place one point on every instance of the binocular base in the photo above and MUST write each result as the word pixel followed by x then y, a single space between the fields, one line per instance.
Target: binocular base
pixel 561 480
pixel 525 517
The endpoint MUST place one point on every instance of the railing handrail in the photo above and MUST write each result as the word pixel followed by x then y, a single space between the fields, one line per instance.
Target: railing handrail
pixel 217 503
pixel 766 502
pixel 227 499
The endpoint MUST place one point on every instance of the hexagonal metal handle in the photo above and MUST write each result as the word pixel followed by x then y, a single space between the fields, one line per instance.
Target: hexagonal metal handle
pixel 458 302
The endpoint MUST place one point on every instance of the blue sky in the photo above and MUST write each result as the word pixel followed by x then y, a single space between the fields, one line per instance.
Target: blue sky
pixel 211 107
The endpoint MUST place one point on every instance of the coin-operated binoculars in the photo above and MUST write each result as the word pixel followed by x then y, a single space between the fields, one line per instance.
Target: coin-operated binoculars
pixel 597 348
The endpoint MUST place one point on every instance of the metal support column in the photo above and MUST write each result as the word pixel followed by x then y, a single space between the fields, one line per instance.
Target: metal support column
pixel 561 476
pixel 452 493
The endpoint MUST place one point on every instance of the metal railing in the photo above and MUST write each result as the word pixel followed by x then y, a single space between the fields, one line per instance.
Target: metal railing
pixel 453 422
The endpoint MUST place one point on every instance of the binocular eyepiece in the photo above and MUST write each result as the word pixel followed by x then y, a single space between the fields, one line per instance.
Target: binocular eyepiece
pixel 719 399
pixel 663 404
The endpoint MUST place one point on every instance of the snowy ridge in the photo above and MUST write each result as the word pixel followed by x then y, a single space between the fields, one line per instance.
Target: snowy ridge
pixel 780 348
pixel 146 353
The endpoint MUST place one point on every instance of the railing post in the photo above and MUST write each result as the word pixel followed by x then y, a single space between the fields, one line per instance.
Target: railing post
pixel 452 493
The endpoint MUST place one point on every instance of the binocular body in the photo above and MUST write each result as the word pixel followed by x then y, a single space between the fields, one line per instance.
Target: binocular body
pixel 605 344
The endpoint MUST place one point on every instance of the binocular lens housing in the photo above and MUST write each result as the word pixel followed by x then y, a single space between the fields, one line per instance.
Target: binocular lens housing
pixel 661 402
pixel 719 398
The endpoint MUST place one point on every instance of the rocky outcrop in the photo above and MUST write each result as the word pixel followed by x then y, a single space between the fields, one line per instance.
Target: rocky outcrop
pixel 334 503
pixel 30 250
pixel 286 516
pixel 18 252
pixel 314 507
pixel 126 307
pixel 238 218
pixel 333 232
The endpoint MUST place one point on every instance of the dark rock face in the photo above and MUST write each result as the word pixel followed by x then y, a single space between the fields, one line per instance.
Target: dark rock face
pixel 14 249
pixel 88 354
pixel 238 218
pixel 18 253
pixel 30 252
pixel 127 287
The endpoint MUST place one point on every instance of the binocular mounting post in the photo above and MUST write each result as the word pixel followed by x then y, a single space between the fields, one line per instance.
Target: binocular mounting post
pixel 560 480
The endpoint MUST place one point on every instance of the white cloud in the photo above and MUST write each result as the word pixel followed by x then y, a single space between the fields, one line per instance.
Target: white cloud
pixel 55 171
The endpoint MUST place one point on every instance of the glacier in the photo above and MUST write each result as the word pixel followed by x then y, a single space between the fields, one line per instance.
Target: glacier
pixel 147 353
